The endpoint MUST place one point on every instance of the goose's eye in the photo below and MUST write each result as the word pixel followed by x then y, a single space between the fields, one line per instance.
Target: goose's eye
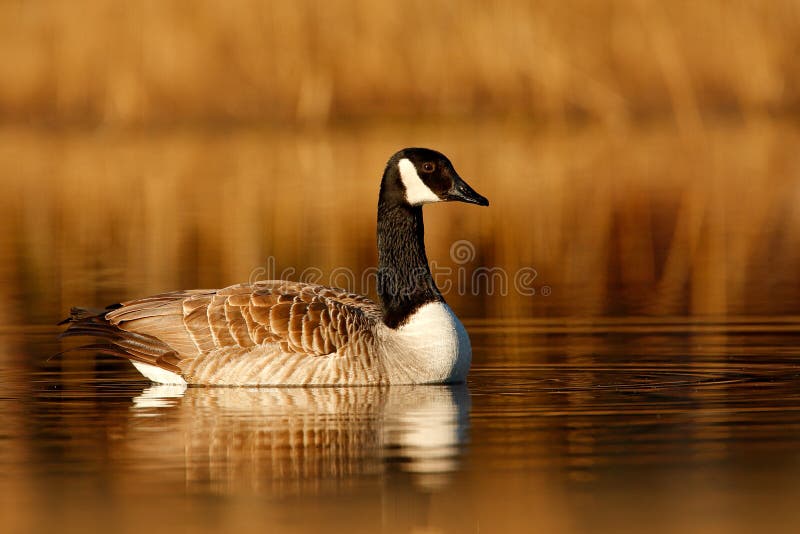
pixel 428 167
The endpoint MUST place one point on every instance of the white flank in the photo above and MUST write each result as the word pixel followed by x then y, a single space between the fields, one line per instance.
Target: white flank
pixel 431 348
pixel 158 375
pixel 417 193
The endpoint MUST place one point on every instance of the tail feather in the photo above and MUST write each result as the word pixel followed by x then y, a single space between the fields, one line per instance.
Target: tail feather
pixel 121 343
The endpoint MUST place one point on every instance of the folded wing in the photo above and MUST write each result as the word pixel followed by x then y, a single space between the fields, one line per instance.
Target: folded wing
pixel 172 329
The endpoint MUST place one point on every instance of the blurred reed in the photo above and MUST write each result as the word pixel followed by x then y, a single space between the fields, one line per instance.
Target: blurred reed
pixel 156 63
pixel 645 221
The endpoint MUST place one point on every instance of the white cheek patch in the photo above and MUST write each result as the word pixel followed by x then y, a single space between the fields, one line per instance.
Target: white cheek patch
pixel 417 193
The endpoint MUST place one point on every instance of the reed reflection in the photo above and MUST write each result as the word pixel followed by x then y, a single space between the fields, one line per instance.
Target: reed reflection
pixel 298 440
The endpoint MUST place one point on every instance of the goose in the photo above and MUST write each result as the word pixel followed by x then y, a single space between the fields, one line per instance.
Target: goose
pixel 283 333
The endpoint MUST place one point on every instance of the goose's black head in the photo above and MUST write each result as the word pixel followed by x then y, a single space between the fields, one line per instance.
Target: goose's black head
pixel 417 176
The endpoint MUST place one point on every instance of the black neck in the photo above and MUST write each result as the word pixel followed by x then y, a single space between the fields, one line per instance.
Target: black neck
pixel 404 278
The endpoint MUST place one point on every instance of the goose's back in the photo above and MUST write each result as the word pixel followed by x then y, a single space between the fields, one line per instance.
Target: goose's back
pixel 267 333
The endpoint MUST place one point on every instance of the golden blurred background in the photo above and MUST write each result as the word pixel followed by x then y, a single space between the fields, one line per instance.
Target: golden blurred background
pixel 642 159
pixel 155 63
pixel 641 156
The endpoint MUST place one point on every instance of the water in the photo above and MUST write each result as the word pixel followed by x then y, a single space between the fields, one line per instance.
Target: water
pixel 649 384
pixel 608 429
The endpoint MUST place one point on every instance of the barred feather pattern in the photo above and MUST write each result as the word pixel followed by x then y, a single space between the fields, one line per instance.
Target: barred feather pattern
pixel 267 333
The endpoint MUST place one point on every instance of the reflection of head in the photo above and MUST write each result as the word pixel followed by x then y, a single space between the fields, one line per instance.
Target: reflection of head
pixel 300 439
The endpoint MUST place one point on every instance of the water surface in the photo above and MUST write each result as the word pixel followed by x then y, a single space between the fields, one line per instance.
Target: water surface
pixel 602 431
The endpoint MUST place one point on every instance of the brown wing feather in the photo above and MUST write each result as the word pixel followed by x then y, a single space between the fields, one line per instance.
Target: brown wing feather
pixel 160 316
pixel 170 328
pixel 297 315
pixel 134 346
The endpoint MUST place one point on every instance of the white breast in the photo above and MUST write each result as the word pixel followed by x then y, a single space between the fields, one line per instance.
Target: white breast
pixel 431 347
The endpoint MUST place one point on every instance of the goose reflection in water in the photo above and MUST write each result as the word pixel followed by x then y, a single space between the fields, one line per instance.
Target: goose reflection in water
pixel 294 440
